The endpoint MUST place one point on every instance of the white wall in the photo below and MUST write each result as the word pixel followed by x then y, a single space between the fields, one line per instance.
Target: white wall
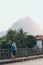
pixel 39 44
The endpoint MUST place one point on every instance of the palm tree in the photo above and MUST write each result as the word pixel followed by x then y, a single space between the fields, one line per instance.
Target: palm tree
pixel 21 38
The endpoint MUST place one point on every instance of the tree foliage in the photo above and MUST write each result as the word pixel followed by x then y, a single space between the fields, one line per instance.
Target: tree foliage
pixel 31 41
pixel 22 39
pixel 11 35
pixel 21 36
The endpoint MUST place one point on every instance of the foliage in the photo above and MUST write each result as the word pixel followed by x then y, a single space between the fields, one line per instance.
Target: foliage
pixel 31 41
pixel 4 44
pixel 22 39
pixel 11 35
pixel 21 36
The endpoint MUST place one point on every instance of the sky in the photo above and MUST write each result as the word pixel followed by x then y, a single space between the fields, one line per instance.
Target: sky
pixel 12 10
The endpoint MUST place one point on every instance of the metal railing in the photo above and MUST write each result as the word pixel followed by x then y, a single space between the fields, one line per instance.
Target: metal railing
pixel 28 52
pixel 21 52
pixel 5 53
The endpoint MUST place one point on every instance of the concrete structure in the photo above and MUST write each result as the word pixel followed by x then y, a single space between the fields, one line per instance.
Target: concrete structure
pixel 32 62
pixel 39 44
pixel 39 41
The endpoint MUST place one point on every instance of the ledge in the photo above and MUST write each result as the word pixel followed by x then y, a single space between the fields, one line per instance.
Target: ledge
pixel 7 61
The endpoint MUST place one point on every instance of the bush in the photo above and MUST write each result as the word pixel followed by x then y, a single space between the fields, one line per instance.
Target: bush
pixel 4 44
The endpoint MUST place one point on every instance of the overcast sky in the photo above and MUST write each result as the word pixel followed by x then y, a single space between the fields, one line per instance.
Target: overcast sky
pixel 12 10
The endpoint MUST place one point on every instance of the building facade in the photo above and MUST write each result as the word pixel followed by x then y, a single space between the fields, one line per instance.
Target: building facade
pixel 39 40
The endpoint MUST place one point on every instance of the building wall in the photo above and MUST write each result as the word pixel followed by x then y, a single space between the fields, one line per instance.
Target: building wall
pixel 39 44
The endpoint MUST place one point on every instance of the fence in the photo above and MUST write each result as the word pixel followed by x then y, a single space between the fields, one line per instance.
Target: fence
pixel 21 52
pixel 5 53
pixel 28 52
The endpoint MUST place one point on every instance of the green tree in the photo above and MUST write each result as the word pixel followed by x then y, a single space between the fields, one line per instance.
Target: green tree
pixel 0 44
pixel 11 35
pixel 4 44
pixel 21 36
pixel 31 41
